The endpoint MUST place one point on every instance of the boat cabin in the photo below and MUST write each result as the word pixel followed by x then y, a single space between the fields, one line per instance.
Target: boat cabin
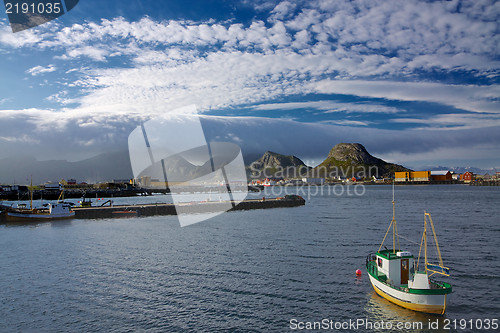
pixel 398 267
pixel 59 209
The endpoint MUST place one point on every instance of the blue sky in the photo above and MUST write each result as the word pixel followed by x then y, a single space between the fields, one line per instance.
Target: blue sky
pixel 416 82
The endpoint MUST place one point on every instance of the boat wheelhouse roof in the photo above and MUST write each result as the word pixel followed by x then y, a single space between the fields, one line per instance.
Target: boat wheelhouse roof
pixel 390 255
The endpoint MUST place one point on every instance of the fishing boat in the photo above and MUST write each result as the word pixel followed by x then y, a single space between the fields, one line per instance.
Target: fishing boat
pixel 396 275
pixel 54 211
pixel 51 211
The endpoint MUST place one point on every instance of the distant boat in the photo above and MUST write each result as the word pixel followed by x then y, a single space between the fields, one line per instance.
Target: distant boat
pixel 59 210
pixel 396 276
pixel 269 182
pixel 54 211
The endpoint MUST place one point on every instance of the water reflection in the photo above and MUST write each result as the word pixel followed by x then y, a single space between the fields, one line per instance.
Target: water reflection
pixel 379 310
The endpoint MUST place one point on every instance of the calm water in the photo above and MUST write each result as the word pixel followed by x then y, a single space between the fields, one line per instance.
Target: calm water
pixel 247 271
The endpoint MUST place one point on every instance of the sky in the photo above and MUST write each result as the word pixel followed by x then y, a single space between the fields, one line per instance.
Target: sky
pixel 416 82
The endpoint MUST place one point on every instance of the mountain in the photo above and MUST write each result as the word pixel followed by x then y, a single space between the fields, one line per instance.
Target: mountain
pixel 352 159
pixel 103 167
pixel 276 165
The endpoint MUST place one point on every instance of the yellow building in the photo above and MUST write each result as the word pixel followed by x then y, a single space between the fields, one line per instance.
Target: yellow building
pixel 412 176
pixel 420 176
pixel 402 176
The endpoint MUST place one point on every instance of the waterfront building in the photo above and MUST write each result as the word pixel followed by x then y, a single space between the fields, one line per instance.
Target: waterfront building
pixel 467 177
pixel 444 175
pixel 412 176
pixel 315 181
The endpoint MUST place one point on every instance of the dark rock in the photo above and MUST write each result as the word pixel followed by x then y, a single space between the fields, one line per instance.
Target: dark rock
pixel 277 166
pixel 353 160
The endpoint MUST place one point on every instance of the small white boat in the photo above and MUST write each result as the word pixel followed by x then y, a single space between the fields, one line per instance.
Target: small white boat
pixel 396 276
pixel 54 211
pixel 59 210
pixel 269 182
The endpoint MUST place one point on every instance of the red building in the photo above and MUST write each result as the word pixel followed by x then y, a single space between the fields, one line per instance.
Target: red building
pixel 441 175
pixel 467 177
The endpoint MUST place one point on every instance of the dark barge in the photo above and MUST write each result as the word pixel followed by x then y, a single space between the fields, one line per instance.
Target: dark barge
pixel 185 208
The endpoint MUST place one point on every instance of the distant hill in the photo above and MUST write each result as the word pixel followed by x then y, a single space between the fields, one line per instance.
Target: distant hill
pixel 276 165
pixel 352 159
pixel 103 167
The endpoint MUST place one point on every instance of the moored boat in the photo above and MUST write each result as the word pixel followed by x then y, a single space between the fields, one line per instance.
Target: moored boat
pixel 54 211
pixel 396 276
pixel 58 210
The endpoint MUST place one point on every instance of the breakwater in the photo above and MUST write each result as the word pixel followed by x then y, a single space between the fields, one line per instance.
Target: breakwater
pixel 485 183
pixel 184 208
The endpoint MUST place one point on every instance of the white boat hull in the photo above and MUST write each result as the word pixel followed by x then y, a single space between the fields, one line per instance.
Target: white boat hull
pixel 41 216
pixel 417 302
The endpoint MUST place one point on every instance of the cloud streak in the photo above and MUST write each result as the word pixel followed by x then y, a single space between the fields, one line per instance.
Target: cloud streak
pixel 329 106
pixel 468 97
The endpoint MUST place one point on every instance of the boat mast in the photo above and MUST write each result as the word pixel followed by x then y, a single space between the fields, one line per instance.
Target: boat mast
pixel 440 269
pixel 393 225
pixel 31 193
pixel 425 240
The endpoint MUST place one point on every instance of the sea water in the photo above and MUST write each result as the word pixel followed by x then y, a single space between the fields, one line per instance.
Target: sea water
pixel 272 270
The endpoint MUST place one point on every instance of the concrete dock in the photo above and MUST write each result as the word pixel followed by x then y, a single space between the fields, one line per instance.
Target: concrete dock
pixel 185 208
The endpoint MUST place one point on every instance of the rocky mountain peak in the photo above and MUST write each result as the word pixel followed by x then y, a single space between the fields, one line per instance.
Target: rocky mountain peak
pixel 354 152
pixel 352 159
pixel 275 160
pixel 276 165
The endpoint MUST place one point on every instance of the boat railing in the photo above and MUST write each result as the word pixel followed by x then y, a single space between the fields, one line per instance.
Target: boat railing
pixel 439 284
pixel 371 257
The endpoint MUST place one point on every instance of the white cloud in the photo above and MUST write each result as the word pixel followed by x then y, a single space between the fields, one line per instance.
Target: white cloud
pixel 281 11
pixel 405 35
pixel 23 38
pixel 22 139
pixel 40 70
pixel 468 97
pixel 454 121
pixel 96 53
pixel 347 122
pixel 329 106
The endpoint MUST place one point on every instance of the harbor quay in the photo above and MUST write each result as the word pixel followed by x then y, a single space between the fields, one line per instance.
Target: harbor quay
pixel 181 208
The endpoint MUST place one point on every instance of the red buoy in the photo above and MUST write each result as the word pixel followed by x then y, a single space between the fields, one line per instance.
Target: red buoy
pixel 358 272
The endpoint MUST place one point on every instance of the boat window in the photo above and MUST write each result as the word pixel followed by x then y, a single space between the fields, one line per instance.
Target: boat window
pixel 379 262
